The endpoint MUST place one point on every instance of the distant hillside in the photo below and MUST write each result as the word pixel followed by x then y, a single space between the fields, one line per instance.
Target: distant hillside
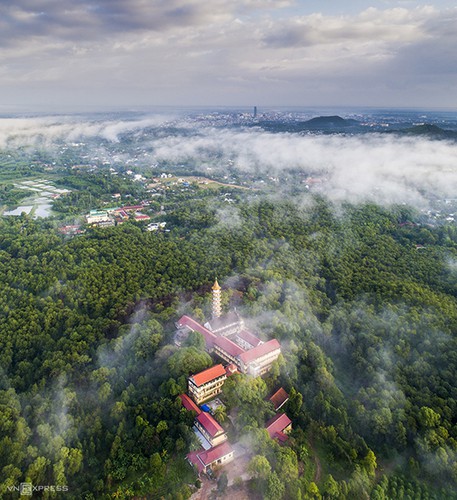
pixel 325 122
pixel 319 123
pixel 428 130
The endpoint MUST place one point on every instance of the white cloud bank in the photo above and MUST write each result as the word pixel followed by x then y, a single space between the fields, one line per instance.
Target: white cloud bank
pixel 386 168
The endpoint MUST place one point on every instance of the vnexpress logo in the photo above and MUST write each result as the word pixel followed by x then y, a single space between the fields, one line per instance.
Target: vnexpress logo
pixel 26 489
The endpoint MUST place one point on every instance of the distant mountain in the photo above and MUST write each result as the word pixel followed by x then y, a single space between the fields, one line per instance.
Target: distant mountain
pixel 326 122
pixel 429 130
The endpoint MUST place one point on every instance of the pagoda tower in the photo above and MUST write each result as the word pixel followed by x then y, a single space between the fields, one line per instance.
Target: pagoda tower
pixel 216 300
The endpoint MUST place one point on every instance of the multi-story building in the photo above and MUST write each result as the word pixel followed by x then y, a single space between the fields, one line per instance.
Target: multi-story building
pixel 258 361
pixel 227 350
pixel 98 217
pixel 210 429
pixel 206 384
pixel 247 340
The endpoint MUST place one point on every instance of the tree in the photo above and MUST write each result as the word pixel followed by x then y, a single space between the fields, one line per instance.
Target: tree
pixel 428 417
pixel 222 482
pixel 287 465
pixel 188 360
pixel 369 463
pixel 295 403
pixel 313 490
pixel 36 473
pixel 259 467
pixel 331 489
pixel 195 339
pixel 275 487
pixel 220 414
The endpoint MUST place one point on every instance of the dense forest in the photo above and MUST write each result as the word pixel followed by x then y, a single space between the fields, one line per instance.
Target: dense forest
pixel 362 298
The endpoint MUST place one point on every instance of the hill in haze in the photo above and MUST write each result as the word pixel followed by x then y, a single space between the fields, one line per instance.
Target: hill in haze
pixel 329 122
pixel 319 123
pixel 427 130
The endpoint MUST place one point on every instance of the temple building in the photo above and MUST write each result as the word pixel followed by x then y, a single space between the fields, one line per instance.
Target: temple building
pixel 226 336
pixel 217 308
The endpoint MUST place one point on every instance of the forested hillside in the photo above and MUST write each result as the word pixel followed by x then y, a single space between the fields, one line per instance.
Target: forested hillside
pixel 361 297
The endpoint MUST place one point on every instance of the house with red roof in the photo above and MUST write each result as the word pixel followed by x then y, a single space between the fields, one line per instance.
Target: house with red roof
pixel 279 426
pixel 279 398
pixel 210 429
pixel 139 217
pixel 212 458
pixel 206 384
pixel 189 404
pixel 231 369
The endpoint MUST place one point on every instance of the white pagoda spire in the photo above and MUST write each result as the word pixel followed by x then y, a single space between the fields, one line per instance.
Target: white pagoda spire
pixel 216 300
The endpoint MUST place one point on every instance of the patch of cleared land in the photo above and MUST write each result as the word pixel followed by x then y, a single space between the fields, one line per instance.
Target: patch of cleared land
pixel 202 182
pixel 39 204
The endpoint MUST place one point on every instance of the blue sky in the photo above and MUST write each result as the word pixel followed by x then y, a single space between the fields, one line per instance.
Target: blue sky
pixel 57 54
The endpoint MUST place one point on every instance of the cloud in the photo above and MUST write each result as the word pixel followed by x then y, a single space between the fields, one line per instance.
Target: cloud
pixel 15 132
pixel 200 52
pixel 372 27
pixel 86 19
pixel 384 168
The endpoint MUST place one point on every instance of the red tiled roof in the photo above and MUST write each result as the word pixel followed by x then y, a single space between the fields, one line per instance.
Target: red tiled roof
pixel 133 207
pixel 193 457
pixel 250 338
pixel 279 398
pixel 231 369
pixel 277 424
pixel 194 325
pixel 206 376
pixel 209 424
pixel 280 436
pixel 260 350
pixel 228 346
pixel 189 404
pixel 209 456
